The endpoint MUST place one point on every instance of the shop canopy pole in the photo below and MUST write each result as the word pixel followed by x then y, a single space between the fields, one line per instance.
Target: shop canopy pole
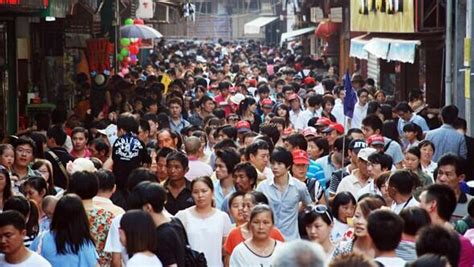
pixel 448 79
pixel 467 66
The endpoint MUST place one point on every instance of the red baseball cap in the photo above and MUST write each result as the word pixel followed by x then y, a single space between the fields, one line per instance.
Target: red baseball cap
pixel 375 139
pixel 323 121
pixel 309 81
pixel 243 126
pixel 267 102
pixel 334 126
pixel 300 157
pixel 253 82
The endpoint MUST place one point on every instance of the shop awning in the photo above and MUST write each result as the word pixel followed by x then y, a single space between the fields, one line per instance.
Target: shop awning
pixel 385 48
pixel 253 27
pixel 290 35
pixel 357 48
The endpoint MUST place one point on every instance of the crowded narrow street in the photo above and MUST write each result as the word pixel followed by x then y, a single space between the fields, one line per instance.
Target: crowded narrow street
pixel 236 133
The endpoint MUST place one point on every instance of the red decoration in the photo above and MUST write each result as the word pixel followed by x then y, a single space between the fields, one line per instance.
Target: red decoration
pixel 134 49
pixel 138 22
pixel 327 28
pixel 99 54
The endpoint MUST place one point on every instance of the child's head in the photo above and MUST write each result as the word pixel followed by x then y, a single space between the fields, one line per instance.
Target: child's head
pixel 7 155
pixel 412 132
pixel 48 205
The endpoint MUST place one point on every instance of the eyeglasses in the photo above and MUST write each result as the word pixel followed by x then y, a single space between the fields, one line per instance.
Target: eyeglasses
pixel 320 209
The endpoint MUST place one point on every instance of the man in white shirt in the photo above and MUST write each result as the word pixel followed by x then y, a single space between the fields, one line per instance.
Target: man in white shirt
pixel 360 108
pixel 12 234
pixel 359 177
pixel 385 242
pixel 295 111
pixel 400 188
pixel 377 164
pixel 312 110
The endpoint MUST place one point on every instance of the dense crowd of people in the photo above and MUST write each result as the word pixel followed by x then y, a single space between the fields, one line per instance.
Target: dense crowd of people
pixel 238 154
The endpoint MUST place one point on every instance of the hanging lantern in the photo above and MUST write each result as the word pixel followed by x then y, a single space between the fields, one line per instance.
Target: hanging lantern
pixel 327 28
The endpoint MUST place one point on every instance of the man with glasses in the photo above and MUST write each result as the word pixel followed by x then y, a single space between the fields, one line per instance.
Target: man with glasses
pixel 451 172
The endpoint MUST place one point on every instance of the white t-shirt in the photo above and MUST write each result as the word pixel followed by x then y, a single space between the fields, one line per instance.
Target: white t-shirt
pixel 140 259
pixel 206 235
pixel 410 203
pixel 112 244
pixel 391 261
pixel 33 260
pixel 198 168
pixel 338 230
pixel 242 256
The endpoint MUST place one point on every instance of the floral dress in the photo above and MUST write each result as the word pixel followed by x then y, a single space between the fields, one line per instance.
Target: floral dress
pixel 100 221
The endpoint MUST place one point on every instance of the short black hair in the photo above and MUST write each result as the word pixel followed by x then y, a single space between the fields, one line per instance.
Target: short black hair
pixel 229 131
pixel 384 160
pixel 460 123
pixel 456 161
pixel 13 218
pixel 101 145
pixel 378 223
pixel 315 100
pixel 178 156
pixel 297 140
pixel 253 148
pixel 445 199
pixel 127 122
pixel 374 122
pixel 403 107
pixel 148 192
pixel 362 90
pixel 58 134
pixel 438 240
pixel 270 130
pixel 414 218
pixel 341 199
pixel 144 125
pixel 80 129
pixel 139 175
pixel 449 114
pixel 404 181
pixel 226 143
pixel 163 152
pixel 230 157
pixel 249 170
pixel 282 155
pixel 84 184
pixel 106 180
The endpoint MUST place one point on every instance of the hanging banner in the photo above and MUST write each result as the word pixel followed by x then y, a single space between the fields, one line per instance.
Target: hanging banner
pixel 383 16
pixel 145 9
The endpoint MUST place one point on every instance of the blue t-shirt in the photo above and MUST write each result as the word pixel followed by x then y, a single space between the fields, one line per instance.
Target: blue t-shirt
pixel 86 257
pixel 315 171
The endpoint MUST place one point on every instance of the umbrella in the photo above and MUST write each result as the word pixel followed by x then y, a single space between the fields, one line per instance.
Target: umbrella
pixel 139 31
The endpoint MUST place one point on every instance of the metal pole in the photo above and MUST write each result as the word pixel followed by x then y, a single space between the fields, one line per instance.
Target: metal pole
pixel 449 43
pixel 467 65
pixel 117 34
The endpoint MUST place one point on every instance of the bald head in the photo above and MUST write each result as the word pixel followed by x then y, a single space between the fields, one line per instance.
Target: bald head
pixel 192 145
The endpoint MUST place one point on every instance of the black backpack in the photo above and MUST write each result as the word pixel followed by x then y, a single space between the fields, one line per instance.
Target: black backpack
pixel 193 258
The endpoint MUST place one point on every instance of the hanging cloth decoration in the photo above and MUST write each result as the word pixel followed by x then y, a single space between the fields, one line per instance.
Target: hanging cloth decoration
pixel 188 10
pixel 296 5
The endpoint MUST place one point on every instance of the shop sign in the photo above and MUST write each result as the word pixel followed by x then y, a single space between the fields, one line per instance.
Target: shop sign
pixel 25 3
pixel 383 16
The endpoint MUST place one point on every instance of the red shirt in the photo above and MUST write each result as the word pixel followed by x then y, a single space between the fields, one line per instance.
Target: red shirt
pixel 222 103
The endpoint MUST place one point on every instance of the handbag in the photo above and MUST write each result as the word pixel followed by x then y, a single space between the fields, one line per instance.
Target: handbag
pixel 192 258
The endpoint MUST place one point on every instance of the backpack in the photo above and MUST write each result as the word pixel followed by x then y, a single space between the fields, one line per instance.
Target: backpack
pixel 193 258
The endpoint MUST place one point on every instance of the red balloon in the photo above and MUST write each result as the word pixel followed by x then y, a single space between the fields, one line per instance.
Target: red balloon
pixel 134 49
pixel 126 60
pixel 138 22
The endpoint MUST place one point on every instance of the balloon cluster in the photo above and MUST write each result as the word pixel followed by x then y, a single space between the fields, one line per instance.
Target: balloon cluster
pixel 130 47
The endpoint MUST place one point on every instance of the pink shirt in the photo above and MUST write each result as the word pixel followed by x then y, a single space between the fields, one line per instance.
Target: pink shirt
pixel 87 153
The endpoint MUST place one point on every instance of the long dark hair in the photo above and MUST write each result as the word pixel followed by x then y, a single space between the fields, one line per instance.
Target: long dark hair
pixel 70 225
pixel 244 105
pixel 140 231
pixel 7 190
pixel 26 207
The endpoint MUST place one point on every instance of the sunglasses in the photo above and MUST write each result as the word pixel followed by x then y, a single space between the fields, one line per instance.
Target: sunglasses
pixel 320 209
